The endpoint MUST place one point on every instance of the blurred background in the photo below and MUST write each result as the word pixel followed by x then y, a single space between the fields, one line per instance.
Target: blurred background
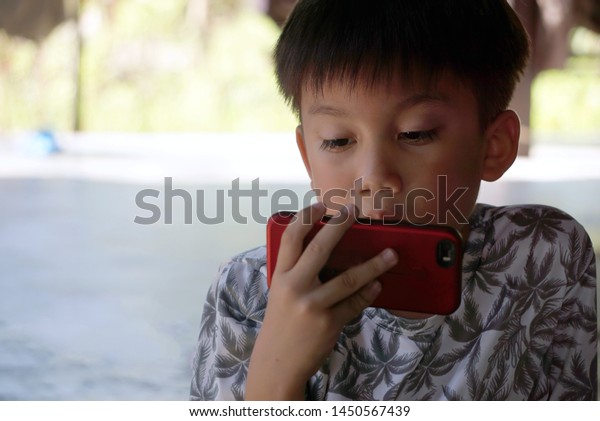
pixel 101 99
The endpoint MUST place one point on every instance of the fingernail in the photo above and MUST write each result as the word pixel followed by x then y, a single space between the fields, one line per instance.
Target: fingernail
pixel 389 256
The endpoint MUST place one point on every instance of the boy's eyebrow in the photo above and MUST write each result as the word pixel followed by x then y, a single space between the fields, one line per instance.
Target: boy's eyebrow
pixel 420 98
pixel 405 103
pixel 327 110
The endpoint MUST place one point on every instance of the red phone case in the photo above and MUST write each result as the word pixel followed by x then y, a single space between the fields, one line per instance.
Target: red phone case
pixel 427 278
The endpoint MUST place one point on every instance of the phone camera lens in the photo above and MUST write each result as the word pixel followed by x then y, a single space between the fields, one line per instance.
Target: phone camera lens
pixel 446 253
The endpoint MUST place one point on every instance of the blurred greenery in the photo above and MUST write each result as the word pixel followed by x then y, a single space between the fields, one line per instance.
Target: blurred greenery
pixel 148 67
pixel 567 101
pixel 154 66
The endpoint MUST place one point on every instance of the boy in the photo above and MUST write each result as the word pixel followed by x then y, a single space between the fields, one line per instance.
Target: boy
pixel 395 96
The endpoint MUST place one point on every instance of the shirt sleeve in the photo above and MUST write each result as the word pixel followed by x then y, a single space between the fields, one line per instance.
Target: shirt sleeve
pixel 231 319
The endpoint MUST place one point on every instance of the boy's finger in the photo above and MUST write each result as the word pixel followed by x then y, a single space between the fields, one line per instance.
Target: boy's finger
pixel 357 302
pixel 292 240
pixel 317 252
pixel 354 279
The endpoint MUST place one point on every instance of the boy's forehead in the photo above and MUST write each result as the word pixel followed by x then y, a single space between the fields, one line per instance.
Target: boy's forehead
pixel 444 88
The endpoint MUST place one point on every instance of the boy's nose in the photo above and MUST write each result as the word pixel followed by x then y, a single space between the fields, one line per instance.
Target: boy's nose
pixel 379 173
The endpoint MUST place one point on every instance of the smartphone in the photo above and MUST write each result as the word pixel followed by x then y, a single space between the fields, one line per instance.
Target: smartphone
pixel 426 279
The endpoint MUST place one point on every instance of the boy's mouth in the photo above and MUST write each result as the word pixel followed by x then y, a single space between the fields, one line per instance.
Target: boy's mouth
pixel 397 213
pixel 381 215
pixel 369 214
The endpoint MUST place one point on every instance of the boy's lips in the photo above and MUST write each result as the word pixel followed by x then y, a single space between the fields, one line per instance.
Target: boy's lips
pixel 380 214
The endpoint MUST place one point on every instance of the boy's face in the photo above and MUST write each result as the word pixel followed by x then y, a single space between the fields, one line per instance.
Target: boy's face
pixel 396 151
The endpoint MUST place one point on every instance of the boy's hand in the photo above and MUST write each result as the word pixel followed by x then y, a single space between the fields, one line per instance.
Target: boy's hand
pixel 304 317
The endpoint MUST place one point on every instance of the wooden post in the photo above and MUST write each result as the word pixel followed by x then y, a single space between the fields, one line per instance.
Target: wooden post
pixel 79 48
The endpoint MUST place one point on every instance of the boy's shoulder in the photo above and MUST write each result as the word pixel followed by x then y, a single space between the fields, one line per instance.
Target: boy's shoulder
pixel 517 217
pixel 240 290
pixel 256 257
pixel 531 231
pixel 250 263
pixel 249 266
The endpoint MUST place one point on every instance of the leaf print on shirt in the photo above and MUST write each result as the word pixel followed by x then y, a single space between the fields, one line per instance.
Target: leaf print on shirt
pixel 316 387
pixel 451 394
pixel 346 382
pixel 377 364
pixel 209 389
pixel 242 310
pixel 485 387
pixel 525 344
pixel 234 363
pixel 583 383
pixel 386 359
pixel 589 321
pixel 535 285
pixel 570 315
pixel 529 350
pixel 539 223
pixel 354 327
pixel 467 330
pixel 209 316
pixel 246 307
pixel 575 260
pixel 498 260
pixel 430 365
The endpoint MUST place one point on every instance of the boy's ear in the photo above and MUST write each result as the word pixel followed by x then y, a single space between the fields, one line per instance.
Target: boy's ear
pixel 502 144
pixel 302 148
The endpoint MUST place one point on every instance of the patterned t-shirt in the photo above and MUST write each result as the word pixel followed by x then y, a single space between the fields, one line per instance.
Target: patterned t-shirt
pixel 526 327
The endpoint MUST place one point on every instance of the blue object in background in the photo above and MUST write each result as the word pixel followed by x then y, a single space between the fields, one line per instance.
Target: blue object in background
pixel 42 143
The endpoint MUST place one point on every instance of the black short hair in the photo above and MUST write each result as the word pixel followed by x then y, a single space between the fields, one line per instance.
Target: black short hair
pixel 481 42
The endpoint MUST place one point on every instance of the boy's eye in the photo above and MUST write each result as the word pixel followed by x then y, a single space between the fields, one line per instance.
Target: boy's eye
pixel 333 144
pixel 417 136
